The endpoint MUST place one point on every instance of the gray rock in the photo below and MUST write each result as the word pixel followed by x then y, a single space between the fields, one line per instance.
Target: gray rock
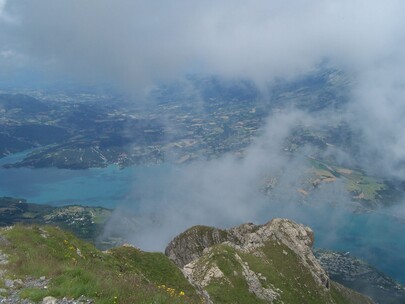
pixel 3 259
pixel 49 300
pixel 190 245
pixel 18 283
pixel 4 241
pixel 9 283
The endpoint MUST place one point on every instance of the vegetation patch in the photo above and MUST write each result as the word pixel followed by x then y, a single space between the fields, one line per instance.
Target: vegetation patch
pixel 75 267
pixel 233 288
pixel 85 222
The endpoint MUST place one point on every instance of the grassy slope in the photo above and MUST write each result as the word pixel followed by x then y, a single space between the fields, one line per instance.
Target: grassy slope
pixel 233 288
pixel 128 275
pixel 281 271
pixel 122 275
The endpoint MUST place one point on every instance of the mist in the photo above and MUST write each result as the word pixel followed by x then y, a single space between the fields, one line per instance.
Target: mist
pixel 138 45
pixel 262 185
pixel 228 191
pixel 135 45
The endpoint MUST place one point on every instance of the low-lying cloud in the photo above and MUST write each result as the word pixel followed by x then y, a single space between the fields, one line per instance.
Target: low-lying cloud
pixel 135 43
pixel 225 191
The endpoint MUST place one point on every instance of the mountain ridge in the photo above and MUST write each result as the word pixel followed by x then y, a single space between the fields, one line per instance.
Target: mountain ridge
pixel 261 257
pixel 45 263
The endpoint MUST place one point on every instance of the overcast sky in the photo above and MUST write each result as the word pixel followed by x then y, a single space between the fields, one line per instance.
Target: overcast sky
pixel 138 42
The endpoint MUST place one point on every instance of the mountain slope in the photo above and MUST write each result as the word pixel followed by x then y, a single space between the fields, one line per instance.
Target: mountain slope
pixel 39 262
pixel 271 263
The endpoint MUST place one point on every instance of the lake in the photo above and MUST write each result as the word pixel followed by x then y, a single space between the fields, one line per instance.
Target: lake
pixel 375 237
pixel 104 187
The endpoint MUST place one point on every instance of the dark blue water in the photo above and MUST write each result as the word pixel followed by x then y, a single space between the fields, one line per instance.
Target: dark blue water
pixel 376 237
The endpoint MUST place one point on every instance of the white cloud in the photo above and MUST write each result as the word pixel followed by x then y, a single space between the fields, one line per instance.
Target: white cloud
pixel 5 17
pixel 6 54
pixel 136 42
pixel 2 5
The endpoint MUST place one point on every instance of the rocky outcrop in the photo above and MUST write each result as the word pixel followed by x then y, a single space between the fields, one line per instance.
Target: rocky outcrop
pixel 254 282
pixel 191 244
pixel 300 240
pixel 273 261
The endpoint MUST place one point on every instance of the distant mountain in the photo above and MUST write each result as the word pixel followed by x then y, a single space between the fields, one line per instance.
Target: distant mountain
pixel 22 103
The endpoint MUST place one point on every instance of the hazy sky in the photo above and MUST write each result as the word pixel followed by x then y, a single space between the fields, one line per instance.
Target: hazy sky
pixel 137 42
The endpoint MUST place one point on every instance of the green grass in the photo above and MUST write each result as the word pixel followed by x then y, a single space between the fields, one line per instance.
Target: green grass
pixel 124 275
pixel 100 215
pixel 128 275
pixel 316 164
pixel 233 289
pixel 283 271
pixel 342 295
pixel 368 186
pixel 286 272
pixel 155 266
pixel 362 186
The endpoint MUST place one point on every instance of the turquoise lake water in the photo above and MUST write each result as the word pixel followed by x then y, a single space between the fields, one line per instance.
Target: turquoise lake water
pixel 104 187
pixel 375 237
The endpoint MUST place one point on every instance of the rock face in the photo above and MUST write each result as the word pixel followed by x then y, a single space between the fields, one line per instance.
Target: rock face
pixel 248 238
pixel 271 263
pixel 300 240
pixel 190 245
